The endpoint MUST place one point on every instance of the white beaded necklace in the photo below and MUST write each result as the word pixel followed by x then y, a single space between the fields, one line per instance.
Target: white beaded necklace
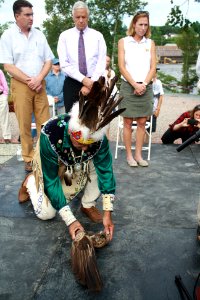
pixel 77 164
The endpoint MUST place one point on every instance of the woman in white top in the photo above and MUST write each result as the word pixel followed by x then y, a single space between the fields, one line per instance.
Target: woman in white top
pixel 137 64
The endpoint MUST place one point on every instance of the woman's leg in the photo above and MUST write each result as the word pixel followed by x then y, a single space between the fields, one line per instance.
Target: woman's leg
pixel 140 134
pixel 127 135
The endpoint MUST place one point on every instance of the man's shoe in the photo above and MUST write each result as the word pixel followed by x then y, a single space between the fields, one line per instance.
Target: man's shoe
pixel 23 194
pixel 28 166
pixel 93 214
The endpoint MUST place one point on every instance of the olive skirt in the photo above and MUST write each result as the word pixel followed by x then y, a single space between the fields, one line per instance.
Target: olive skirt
pixel 136 106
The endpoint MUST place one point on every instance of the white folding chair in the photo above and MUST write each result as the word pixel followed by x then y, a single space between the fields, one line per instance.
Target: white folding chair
pixel 51 105
pixel 119 140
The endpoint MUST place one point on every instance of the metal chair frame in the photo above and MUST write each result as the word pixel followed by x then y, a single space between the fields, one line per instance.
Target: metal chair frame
pixel 134 127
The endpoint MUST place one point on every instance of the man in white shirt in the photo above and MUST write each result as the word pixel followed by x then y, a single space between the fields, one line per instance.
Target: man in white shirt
pixel 68 52
pixel 198 70
pixel 157 99
pixel 27 57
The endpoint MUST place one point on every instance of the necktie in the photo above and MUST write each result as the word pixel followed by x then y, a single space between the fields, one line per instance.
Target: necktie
pixel 81 55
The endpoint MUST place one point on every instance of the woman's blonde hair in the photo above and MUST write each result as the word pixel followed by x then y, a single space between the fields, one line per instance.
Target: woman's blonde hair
pixel 131 29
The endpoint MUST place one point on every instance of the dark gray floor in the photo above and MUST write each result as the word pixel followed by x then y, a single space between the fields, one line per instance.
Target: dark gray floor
pixel 155 234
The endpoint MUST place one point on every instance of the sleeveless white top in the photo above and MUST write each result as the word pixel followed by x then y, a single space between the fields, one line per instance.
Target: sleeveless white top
pixel 137 57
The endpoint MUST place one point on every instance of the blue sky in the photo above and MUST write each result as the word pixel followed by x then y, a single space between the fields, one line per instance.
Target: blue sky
pixel 158 9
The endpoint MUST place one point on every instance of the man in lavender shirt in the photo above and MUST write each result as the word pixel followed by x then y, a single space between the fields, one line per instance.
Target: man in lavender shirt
pixel 95 52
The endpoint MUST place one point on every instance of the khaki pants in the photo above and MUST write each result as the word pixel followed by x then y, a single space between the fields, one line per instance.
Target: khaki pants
pixel 27 102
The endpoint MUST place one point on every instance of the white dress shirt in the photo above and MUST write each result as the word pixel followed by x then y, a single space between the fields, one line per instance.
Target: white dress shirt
pixel 198 65
pixel 95 50
pixel 157 90
pixel 27 53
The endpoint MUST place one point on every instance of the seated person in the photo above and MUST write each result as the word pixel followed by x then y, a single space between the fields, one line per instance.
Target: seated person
pixel 184 127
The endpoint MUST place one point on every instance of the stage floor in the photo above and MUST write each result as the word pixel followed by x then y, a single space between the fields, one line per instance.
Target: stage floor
pixel 154 240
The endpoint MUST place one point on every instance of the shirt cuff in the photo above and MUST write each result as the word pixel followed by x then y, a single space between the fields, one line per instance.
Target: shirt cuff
pixel 108 200
pixel 67 215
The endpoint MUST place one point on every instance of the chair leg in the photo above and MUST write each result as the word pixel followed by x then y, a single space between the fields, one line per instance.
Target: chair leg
pixel 117 142
pixel 150 138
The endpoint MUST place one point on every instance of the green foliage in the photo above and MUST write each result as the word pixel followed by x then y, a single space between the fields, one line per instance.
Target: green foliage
pixel 105 16
pixel 176 17
pixel 60 19
pixel 188 42
pixel 169 82
pixel 3 27
pixel 111 14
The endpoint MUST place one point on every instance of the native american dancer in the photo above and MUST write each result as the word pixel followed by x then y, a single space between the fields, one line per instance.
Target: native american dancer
pixel 73 155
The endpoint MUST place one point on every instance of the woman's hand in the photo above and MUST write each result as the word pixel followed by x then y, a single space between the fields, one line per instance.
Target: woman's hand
pixel 108 224
pixel 73 228
pixel 185 122
pixel 198 125
pixel 140 89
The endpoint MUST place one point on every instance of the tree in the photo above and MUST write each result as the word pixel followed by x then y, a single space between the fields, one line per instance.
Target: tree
pixel 4 27
pixel 188 42
pixel 111 15
pixel 105 16
pixel 60 19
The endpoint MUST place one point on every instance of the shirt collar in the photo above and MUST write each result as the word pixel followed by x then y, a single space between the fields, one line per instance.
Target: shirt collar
pixel 143 40
pixel 77 30
pixel 19 29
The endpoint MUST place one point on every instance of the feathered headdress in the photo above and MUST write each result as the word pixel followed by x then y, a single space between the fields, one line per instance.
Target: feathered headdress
pixel 91 115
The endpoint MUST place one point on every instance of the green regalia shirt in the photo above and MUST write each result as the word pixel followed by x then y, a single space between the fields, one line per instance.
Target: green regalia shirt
pixel 55 145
